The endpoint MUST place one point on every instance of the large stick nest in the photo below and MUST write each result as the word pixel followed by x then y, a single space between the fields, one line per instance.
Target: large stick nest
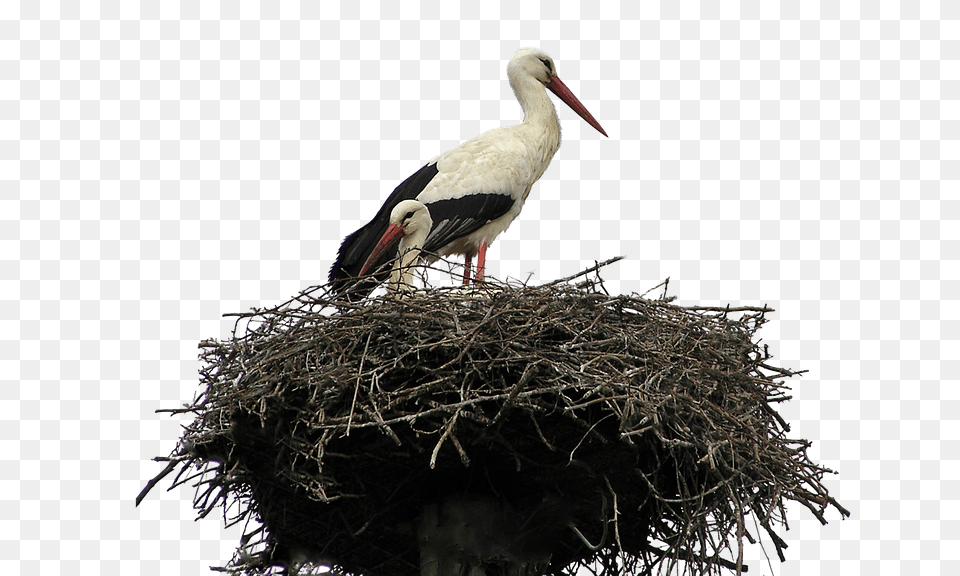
pixel 646 429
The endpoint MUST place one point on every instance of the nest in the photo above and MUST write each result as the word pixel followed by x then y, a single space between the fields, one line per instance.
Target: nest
pixel 631 433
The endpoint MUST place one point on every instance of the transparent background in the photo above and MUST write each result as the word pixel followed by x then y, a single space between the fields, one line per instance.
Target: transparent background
pixel 163 163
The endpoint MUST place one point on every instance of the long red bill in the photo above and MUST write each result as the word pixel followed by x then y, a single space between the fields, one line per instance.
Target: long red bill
pixel 389 239
pixel 564 93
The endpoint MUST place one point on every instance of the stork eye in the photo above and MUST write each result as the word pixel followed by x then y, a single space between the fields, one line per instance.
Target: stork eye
pixel 547 64
pixel 408 216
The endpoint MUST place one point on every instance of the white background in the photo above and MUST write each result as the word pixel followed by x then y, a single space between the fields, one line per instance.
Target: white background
pixel 165 163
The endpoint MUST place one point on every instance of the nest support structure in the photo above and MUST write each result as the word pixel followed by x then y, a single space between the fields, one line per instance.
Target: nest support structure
pixel 613 432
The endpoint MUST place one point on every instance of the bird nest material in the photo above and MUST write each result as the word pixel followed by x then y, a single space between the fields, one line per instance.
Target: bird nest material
pixel 633 434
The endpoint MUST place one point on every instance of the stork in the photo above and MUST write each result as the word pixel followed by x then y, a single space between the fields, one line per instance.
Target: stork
pixel 475 191
pixel 410 222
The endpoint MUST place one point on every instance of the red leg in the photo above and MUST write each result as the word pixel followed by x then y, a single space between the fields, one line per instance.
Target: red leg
pixel 481 263
pixel 467 264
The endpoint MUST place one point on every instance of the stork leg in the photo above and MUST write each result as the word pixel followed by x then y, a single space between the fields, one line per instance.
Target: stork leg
pixel 467 264
pixel 481 263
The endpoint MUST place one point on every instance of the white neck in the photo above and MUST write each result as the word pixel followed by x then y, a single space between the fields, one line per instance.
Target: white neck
pixel 539 114
pixel 401 277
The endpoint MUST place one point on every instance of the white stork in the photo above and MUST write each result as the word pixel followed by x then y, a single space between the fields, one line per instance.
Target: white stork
pixel 475 191
pixel 410 223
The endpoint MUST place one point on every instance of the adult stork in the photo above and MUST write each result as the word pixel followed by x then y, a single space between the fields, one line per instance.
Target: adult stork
pixel 475 191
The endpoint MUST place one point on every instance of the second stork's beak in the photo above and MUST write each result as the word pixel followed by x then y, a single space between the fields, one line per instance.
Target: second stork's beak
pixel 387 242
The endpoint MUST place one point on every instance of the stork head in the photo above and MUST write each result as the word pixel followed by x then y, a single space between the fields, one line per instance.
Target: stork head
pixel 409 225
pixel 536 64
pixel 532 62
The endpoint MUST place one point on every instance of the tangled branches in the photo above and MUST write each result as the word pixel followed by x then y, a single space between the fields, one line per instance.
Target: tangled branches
pixel 625 433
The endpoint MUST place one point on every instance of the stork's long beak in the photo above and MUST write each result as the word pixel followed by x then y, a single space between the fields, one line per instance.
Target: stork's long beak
pixel 564 93
pixel 389 239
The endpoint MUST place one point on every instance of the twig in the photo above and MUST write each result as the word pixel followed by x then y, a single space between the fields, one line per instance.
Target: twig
pixel 585 272
pixel 153 481
pixel 446 432
pixel 356 388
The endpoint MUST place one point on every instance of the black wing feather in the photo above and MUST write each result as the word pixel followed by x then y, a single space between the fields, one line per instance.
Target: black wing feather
pixel 457 217
pixel 357 246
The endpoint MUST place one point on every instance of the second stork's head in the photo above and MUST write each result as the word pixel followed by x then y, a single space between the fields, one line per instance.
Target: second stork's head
pixel 410 223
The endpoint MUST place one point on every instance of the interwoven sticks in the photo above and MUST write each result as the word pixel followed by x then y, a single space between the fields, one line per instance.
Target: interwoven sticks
pixel 632 432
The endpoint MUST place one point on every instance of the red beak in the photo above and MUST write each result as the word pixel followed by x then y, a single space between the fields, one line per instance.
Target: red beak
pixel 389 239
pixel 564 93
